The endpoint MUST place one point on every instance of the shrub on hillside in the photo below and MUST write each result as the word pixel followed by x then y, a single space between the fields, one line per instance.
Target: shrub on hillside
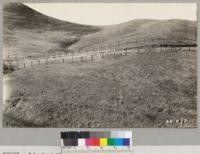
pixel 8 68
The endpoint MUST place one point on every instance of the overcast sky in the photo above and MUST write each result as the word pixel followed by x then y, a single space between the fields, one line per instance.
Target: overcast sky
pixel 115 13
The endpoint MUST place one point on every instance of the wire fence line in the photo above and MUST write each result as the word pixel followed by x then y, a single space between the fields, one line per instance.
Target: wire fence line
pixel 91 54
pixel 127 43
pixel 120 45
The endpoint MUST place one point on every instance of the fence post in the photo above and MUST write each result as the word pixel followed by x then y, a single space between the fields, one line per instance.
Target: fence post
pixel 31 63
pixel 137 50
pixel 39 62
pixel 160 49
pixel 102 56
pixel 126 52
pixel 24 65
pixel 63 60
pixel 81 59
pixel 189 48
pixel 171 49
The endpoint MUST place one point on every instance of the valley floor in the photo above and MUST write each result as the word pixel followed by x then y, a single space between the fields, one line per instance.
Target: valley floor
pixel 138 90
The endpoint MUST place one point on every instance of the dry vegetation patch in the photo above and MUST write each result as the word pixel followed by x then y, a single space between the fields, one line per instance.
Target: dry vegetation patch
pixel 138 90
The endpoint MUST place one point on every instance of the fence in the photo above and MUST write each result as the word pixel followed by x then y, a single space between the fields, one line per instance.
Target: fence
pixel 127 43
pixel 91 56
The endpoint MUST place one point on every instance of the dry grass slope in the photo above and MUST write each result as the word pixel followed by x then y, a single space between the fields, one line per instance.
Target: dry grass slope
pixel 138 90
pixel 30 33
pixel 142 90
pixel 141 29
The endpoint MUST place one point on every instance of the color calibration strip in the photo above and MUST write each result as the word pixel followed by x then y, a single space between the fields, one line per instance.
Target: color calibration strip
pixel 109 140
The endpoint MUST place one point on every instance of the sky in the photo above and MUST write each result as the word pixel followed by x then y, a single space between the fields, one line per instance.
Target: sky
pixel 115 13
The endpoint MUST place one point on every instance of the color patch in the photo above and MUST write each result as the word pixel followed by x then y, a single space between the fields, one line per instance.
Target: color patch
pixel 103 141
pixel 126 142
pixel 81 142
pixel 92 142
pixel 111 142
pixel 118 142
pixel 96 142
pixel 100 138
pixel 89 142
pixel 84 135
pixel 70 142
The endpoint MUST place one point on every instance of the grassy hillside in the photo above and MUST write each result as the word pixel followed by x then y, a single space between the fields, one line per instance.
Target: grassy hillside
pixel 30 33
pixel 141 29
pixel 139 90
